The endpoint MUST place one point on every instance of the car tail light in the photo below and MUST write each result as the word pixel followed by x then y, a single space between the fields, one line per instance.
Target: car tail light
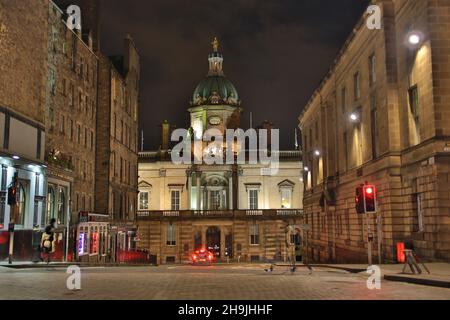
pixel 194 257
pixel 210 257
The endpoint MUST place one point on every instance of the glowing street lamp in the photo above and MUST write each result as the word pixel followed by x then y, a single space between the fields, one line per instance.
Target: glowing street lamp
pixel 317 153
pixel 414 39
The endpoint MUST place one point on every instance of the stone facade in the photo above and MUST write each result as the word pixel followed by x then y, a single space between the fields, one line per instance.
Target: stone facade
pixel 71 110
pixel 241 209
pixel 228 226
pixel 380 116
pixel 22 124
pixel 117 138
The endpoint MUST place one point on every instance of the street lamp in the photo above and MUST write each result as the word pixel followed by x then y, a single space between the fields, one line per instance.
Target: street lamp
pixel 354 117
pixel 317 153
pixel 414 39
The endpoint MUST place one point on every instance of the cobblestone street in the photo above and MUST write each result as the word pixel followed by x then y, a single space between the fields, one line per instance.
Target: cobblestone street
pixel 204 283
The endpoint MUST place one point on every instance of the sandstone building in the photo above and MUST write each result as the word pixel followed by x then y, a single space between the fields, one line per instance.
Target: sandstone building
pixel 381 115
pixel 51 109
pixel 22 123
pixel 242 212
pixel 117 142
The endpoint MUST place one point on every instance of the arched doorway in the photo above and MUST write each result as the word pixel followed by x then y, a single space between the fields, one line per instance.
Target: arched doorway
pixel 213 241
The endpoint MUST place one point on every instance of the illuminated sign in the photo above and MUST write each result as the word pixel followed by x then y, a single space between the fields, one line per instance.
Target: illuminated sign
pixel 81 244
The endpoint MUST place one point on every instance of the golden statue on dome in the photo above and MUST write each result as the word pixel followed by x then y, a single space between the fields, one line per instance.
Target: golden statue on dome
pixel 215 44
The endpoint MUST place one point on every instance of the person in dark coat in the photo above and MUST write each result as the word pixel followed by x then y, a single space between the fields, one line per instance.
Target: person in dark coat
pixel 48 240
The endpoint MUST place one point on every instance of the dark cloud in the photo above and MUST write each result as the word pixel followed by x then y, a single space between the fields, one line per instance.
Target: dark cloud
pixel 276 52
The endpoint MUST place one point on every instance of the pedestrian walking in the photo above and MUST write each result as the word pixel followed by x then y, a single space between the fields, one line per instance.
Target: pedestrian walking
pixel 48 241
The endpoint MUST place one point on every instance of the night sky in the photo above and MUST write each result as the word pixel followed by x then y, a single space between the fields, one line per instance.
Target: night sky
pixel 276 53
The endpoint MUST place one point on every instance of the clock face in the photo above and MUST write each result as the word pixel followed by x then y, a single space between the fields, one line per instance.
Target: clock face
pixel 215 121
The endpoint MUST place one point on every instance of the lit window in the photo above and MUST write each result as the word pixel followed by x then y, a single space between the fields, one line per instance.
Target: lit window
pixel 175 200
pixel 171 235
pixel 253 199
pixel 143 201
pixel 286 198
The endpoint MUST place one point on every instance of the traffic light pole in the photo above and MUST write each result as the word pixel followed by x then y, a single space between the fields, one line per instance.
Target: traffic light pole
pixel 370 240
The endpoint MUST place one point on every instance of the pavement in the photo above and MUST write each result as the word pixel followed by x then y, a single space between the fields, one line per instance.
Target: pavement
pixel 217 282
pixel 439 275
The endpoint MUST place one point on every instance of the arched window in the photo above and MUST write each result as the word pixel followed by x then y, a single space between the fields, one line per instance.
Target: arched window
pixel 61 207
pixel 50 203
pixel 21 202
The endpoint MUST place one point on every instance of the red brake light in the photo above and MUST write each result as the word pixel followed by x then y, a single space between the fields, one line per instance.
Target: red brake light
pixel 202 251
pixel 194 257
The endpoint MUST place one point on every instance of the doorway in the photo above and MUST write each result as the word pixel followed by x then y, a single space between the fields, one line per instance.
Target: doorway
pixel 213 241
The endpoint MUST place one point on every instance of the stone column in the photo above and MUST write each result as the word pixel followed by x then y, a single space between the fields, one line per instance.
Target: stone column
pixel 222 242
pixel 199 191
pixel 204 237
pixel 230 194
pixel 189 190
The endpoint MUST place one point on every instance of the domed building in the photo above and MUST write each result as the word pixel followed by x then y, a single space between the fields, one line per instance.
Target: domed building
pixel 215 99
pixel 237 211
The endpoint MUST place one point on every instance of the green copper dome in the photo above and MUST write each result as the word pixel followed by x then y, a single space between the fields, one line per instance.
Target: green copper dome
pixel 215 90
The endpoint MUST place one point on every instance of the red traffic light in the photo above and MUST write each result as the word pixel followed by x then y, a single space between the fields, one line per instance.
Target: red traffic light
pixel 370 202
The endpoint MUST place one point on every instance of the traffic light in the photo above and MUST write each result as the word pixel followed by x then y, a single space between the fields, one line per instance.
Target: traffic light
pixel 12 192
pixel 366 199
pixel 359 200
pixel 370 201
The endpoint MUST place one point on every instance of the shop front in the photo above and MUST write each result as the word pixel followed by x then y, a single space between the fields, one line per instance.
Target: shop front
pixel 22 206
pixel 93 240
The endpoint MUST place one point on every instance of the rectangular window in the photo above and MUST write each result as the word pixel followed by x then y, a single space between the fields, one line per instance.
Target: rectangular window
pixel 70 123
pixel 286 198
pixel 357 86
pixel 171 235
pixel 64 89
pixel 343 100
pixel 52 81
pixel 418 219
pixel 374 128
pixel 413 95
pixel 317 130
pixel 253 199
pixel 372 70
pixel 345 149
pixel 62 125
pixel 254 234
pixel 78 133
pixel 143 200
pixel 175 200
pixel 72 95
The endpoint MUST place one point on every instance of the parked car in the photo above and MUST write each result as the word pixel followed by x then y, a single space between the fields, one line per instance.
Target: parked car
pixel 202 256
